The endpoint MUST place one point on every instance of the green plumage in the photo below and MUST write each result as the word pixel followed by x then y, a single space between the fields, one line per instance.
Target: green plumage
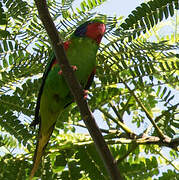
pixel 54 94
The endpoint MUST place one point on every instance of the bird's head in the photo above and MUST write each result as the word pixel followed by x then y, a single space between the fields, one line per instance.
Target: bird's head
pixel 92 29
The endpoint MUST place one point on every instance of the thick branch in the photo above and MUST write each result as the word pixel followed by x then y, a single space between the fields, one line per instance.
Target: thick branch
pixel 112 139
pixel 173 143
pixel 77 91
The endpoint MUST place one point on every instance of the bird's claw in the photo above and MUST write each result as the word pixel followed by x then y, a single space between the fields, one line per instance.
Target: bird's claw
pixel 85 93
pixel 74 68
pixel 60 72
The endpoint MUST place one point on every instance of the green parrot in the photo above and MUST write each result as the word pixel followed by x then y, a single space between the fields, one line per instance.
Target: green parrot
pixel 54 95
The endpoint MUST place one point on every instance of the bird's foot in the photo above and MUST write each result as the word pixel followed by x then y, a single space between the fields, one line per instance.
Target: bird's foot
pixel 60 72
pixel 74 68
pixel 85 93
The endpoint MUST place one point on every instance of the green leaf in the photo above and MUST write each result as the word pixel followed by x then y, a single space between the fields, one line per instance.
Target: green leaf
pixel 4 33
pixel 165 10
pixel 5 45
pixel 163 92
pixel 171 9
pixel 161 10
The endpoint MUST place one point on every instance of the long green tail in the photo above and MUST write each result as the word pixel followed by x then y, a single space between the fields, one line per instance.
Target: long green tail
pixel 40 148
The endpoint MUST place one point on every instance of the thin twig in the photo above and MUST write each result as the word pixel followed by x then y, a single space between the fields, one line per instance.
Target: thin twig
pixel 150 140
pixel 116 111
pixel 168 161
pixel 77 91
pixel 134 145
pixel 147 130
pixel 83 126
pixel 146 141
pixel 159 132
pixel 119 123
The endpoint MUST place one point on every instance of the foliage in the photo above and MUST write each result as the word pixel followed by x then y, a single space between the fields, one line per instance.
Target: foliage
pixel 136 82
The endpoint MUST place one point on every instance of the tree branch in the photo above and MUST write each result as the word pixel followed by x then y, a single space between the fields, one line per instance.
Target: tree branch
pixel 77 91
pixel 159 132
pixel 168 161
pixel 147 140
pixel 122 138
pixel 119 123
pixel 134 146
pixel 116 111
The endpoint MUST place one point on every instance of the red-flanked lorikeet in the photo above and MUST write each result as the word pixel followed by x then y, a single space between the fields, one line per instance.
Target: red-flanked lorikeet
pixel 54 94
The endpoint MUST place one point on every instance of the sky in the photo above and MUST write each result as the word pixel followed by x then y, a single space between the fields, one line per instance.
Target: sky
pixel 116 7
